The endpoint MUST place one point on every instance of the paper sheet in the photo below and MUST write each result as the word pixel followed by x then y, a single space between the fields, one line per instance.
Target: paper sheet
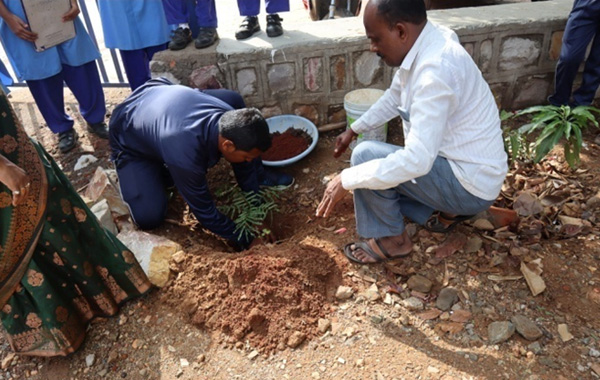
pixel 45 18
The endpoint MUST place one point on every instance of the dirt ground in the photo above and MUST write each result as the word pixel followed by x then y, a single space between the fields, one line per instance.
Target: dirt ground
pixel 272 312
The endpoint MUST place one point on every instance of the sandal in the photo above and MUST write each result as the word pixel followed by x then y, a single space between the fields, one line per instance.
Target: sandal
pixel 435 223
pixel 348 252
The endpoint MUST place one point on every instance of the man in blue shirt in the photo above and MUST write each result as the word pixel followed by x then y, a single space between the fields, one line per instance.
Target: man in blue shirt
pixel 164 132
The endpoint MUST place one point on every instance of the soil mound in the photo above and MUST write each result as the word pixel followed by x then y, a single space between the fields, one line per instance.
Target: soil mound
pixel 263 297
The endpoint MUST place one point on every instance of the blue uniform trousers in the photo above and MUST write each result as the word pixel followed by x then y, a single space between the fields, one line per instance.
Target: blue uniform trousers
pixel 583 25
pixel 143 182
pixel 137 64
pixel 84 82
pixel 178 12
pixel 252 7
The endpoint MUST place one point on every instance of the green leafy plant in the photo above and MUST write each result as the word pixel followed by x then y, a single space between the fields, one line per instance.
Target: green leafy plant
pixel 559 123
pixel 516 145
pixel 249 210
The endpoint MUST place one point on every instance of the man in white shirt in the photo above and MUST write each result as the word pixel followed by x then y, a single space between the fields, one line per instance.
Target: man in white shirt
pixel 453 160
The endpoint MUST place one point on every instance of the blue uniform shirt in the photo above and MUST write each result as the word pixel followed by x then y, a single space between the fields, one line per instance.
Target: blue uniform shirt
pixel 133 24
pixel 178 126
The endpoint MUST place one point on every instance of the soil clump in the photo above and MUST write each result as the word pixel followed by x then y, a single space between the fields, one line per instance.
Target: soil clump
pixel 286 145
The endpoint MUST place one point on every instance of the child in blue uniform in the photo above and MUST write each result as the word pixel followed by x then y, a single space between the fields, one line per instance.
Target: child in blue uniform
pixel 71 62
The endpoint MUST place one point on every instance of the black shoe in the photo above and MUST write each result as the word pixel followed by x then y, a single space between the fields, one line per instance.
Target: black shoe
pixel 99 129
pixel 206 37
pixel 67 140
pixel 247 28
pixel 180 38
pixel 274 28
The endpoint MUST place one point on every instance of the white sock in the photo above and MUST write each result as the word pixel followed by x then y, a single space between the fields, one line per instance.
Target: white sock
pixel 185 25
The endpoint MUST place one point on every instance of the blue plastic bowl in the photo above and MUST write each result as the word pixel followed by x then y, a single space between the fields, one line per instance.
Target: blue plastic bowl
pixel 281 123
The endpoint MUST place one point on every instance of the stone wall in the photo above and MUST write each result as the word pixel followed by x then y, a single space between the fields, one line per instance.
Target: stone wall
pixel 309 70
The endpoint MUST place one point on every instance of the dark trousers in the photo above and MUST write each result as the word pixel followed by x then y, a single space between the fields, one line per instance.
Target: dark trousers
pixel 137 64
pixel 178 12
pixel 84 82
pixel 252 7
pixel 583 26
pixel 143 182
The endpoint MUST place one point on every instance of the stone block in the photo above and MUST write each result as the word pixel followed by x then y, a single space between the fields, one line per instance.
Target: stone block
pixel 309 111
pixel 518 53
pixel 367 68
pixel 271 111
pixel 208 77
pixel 499 92
pixel 470 48
pixel 337 72
pixel 313 74
pixel 555 45
pixel 247 81
pixel 153 253
pixel 485 55
pixel 104 216
pixel 101 187
pixel 336 113
pixel 531 90
pixel 281 77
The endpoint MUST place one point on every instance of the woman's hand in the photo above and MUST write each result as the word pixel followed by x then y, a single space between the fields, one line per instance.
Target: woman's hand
pixel 20 28
pixel 333 194
pixel 72 13
pixel 15 179
pixel 342 142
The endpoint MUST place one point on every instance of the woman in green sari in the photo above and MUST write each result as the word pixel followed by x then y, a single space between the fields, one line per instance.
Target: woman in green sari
pixel 58 267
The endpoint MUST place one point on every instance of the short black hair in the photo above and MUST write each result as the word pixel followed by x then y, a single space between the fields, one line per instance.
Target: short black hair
pixel 395 11
pixel 246 128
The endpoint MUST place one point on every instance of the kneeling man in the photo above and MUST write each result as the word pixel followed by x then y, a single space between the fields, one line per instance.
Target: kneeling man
pixel 165 134
pixel 453 160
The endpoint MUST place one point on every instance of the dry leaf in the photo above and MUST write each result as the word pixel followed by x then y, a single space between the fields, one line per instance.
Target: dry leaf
pixel 430 314
pixel 449 327
pixel 461 316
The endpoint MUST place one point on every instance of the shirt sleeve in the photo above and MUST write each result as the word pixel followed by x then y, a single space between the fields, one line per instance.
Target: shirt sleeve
pixel 193 187
pixel 430 106
pixel 384 109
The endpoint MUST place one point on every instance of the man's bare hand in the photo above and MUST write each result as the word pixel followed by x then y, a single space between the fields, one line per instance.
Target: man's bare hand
pixel 72 13
pixel 20 28
pixel 342 142
pixel 333 194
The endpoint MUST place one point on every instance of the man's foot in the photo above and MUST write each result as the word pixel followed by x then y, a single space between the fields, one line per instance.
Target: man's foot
pixel 67 140
pixel 443 223
pixel 379 250
pixel 180 38
pixel 274 28
pixel 99 129
pixel 276 180
pixel 248 27
pixel 206 37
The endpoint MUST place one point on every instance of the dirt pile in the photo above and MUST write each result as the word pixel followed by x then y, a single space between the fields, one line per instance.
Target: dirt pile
pixel 271 297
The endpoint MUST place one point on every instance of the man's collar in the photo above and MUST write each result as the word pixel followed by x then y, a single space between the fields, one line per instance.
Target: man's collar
pixel 414 50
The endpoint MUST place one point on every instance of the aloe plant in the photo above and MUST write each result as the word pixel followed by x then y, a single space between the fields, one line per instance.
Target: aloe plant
pixel 559 123
pixel 515 143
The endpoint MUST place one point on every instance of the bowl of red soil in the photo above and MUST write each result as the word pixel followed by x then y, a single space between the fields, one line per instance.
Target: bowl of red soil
pixel 292 138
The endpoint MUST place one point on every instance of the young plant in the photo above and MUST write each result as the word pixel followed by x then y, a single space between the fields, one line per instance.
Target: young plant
pixel 559 123
pixel 515 143
pixel 249 210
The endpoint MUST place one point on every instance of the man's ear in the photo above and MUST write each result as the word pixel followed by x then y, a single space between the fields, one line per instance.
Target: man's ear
pixel 401 30
pixel 228 146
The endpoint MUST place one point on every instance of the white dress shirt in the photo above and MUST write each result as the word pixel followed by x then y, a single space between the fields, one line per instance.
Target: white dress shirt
pixel 447 110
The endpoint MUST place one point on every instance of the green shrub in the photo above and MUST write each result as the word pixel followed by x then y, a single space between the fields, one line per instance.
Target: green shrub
pixel 515 143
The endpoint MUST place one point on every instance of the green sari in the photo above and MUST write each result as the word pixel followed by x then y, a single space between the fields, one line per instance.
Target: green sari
pixel 58 267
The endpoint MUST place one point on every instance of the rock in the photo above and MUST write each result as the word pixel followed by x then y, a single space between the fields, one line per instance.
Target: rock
pixel 593 202
pixel 153 253
pixel 594 353
pixel 526 327
pixel 563 332
pixel 596 368
pixel 84 161
pixel 473 245
pixel 372 294
pixel 206 77
pixel 419 283
pixel 344 293
pixel 136 344
pixel 184 362
pixel 388 299
pixel 101 187
pixel 102 212
pixel 178 257
pixel 7 360
pixel 531 272
pixel 296 339
pixel 253 355
pixel 548 362
pixel 412 303
pixel 89 360
pixel 324 325
pixel 535 347
pixel 112 357
pixel 447 298
pixel 499 332
pixel 483 225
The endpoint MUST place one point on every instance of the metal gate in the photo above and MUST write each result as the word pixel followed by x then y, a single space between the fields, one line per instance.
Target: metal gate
pixel 109 64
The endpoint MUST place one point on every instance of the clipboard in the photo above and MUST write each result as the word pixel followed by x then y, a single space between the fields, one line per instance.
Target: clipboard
pixel 45 18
